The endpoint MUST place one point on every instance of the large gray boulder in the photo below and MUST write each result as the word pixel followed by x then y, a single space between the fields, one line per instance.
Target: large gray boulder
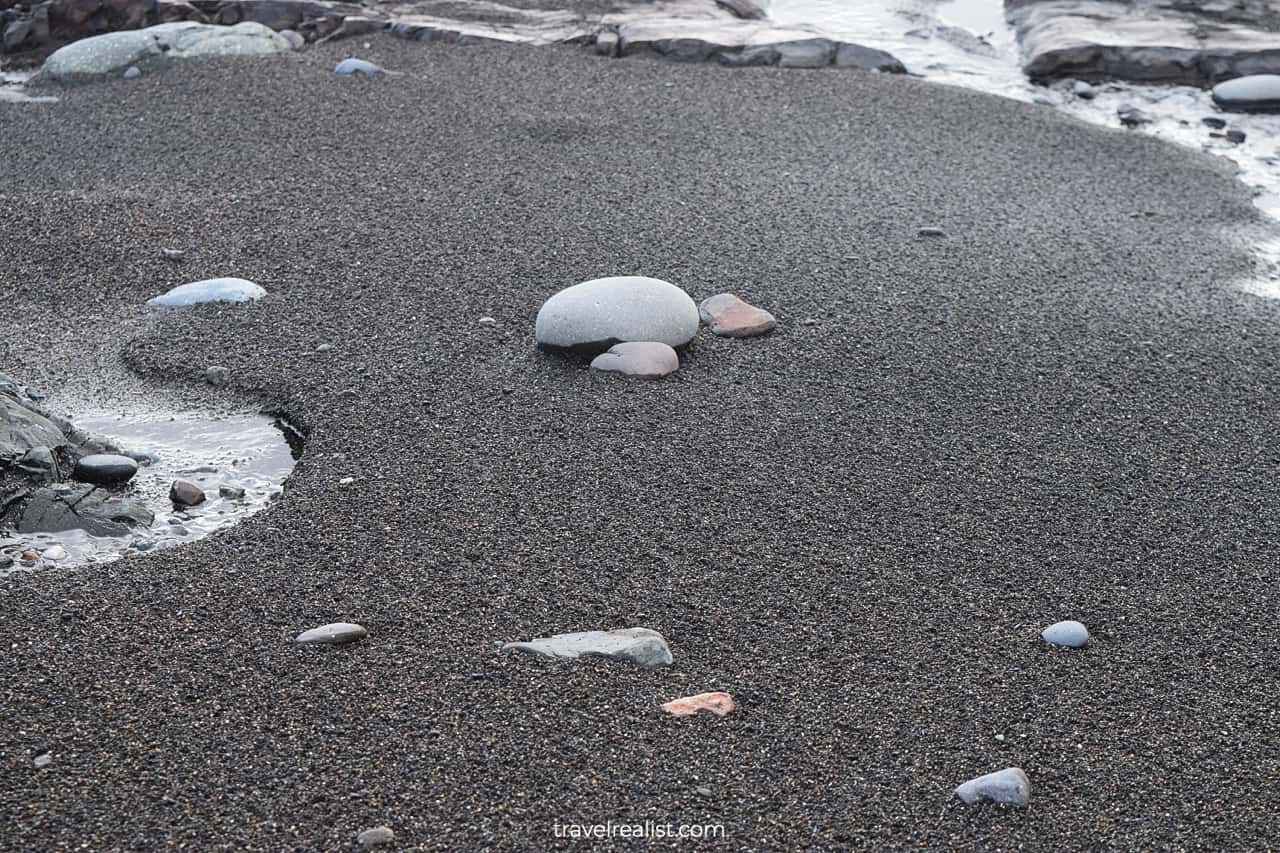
pixel 593 316
pixel 24 428
pixel 112 53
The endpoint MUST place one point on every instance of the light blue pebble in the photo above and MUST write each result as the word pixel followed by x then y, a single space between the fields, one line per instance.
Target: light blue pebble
pixel 210 290
pixel 131 72
pixel 357 66
pixel 1068 633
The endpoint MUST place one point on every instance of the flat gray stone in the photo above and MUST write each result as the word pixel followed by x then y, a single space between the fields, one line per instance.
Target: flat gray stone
pixel 635 645
pixel 1069 633
pixel 333 634
pixel 727 315
pixel 210 290
pixel 1256 93
pixel 641 359
pixel 105 469
pixel 595 315
pixel 1010 786
pixel 113 53
pixel 356 66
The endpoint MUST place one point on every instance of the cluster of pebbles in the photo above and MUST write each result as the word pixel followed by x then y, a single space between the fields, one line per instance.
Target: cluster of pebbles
pixel 633 325
pixel 648 648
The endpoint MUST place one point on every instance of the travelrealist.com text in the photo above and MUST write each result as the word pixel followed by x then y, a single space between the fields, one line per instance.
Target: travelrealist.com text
pixel 645 829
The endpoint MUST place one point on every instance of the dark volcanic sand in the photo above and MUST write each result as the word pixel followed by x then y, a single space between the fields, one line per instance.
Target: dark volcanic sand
pixel 858 528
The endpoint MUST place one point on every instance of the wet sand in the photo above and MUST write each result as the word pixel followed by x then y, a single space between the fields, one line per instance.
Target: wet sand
pixel 1062 410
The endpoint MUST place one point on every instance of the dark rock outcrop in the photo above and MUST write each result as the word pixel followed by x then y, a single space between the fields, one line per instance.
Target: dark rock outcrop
pixel 1158 41
pixel 99 512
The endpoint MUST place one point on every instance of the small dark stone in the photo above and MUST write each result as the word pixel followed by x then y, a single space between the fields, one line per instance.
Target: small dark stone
pixel 184 493
pixel 931 232
pixel 233 492
pixel 1236 136
pixel 1214 122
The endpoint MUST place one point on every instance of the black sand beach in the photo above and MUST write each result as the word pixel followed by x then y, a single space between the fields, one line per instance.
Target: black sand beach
pixel 1063 410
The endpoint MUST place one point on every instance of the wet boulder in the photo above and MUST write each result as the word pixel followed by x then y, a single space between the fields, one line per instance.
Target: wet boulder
pixel 82 507
pixel 23 428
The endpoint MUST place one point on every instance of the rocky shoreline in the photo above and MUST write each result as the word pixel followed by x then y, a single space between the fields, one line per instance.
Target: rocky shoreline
pixel 1167 42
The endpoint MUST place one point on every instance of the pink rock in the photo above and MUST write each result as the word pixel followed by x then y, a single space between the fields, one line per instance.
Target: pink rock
pixel 730 317
pixel 717 703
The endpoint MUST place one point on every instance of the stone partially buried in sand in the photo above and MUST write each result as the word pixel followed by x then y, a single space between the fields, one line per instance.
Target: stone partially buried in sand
pixel 1069 633
pixel 718 703
pixel 352 65
pixel 638 359
pixel 593 316
pixel 636 645
pixel 729 316
pixel 112 53
pixel 210 290
pixel 1009 786
pixel 333 634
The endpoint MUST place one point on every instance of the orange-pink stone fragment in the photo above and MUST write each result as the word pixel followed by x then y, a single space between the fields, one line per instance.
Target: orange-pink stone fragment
pixel 717 703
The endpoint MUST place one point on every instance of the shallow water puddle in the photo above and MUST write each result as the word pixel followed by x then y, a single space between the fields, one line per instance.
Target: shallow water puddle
pixel 245 451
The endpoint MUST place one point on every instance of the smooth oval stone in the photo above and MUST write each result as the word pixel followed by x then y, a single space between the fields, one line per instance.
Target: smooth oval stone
pixel 1010 786
pixel 210 290
pixel 595 315
pixel 185 493
pixel 637 645
pixel 1083 90
pixel 730 317
pixel 356 66
pixel 1069 633
pixel 131 72
pixel 105 469
pixel 333 634
pixel 641 359
pixel 1256 93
